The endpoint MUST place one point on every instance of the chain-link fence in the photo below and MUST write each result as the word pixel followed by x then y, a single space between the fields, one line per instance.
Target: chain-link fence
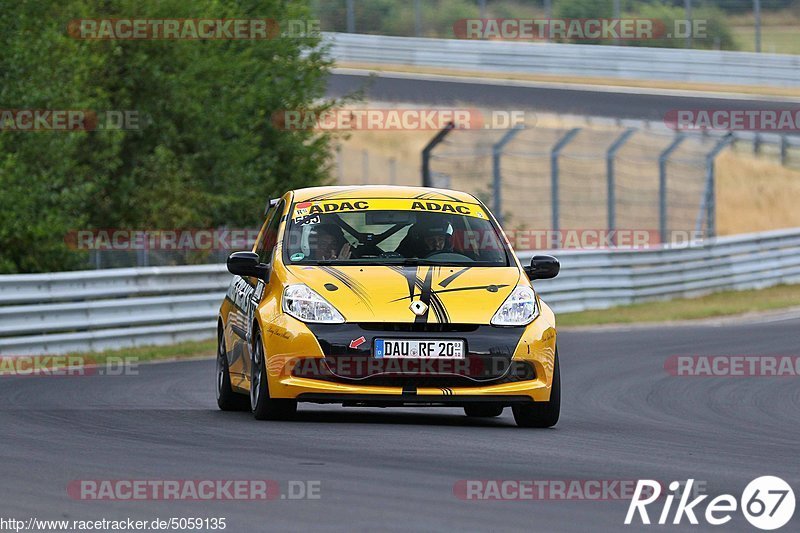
pixel 578 178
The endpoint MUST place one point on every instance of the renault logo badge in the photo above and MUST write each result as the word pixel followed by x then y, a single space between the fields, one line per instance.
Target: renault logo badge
pixel 418 308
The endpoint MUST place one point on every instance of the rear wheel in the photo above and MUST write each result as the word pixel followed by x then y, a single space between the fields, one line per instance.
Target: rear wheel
pixel 542 414
pixel 227 400
pixel 483 410
pixel 262 406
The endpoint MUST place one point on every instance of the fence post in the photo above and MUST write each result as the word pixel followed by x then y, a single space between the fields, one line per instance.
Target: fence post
pixel 426 153
pixel 709 208
pixel 351 16
pixel 392 171
pixel 339 165
pixel 662 186
pixel 784 150
pixel 611 192
pixel 497 179
pixel 417 18
pixel 554 197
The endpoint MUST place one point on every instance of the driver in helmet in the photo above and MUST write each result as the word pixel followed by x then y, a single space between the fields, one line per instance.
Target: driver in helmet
pixel 435 235
pixel 327 241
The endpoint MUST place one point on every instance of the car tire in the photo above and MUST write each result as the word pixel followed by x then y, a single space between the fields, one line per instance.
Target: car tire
pixel 542 414
pixel 262 406
pixel 227 400
pixel 483 410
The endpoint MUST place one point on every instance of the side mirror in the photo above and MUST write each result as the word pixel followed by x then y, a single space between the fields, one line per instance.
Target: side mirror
pixel 247 264
pixel 543 267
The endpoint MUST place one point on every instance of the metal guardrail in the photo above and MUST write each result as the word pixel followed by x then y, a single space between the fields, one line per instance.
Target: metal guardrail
pixel 94 310
pixel 106 309
pixel 602 279
pixel 626 62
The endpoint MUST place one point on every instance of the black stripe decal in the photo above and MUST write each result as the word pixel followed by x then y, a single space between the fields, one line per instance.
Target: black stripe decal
pixel 425 297
pixel 432 300
pixel 449 279
pixel 350 283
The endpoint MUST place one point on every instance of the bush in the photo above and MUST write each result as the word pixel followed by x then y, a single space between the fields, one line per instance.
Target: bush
pixel 210 155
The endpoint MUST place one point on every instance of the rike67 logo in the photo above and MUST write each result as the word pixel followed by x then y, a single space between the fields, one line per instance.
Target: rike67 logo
pixel 767 503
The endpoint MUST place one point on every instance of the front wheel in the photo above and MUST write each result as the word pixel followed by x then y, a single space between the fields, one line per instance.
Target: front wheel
pixel 542 414
pixel 227 400
pixel 262 406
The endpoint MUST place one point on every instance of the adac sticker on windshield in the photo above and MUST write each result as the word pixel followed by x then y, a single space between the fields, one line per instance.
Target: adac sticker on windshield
pixel 441 207
pixel 304 210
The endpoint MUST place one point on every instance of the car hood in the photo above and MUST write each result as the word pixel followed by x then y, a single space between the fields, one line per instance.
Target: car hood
pixel 458 295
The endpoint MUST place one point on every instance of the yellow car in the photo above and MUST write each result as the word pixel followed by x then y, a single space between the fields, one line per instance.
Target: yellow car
pixel 386 296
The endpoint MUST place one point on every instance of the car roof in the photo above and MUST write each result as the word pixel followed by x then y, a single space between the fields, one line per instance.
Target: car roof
pixel 380 191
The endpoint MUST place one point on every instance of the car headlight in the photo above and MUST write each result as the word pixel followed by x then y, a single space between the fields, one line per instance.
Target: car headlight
pixel 519 309
pixel 305 304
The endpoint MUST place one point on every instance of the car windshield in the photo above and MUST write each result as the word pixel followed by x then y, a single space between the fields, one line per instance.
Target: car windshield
pixel 392 232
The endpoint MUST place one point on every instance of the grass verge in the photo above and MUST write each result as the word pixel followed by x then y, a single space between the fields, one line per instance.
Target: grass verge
pixel 142 354
pixel 719 304
pixel 108 359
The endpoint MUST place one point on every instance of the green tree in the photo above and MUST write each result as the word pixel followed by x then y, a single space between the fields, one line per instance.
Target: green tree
pixel 209 153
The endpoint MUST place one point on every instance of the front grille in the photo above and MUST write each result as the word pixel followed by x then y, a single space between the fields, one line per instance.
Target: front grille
pixel 418 328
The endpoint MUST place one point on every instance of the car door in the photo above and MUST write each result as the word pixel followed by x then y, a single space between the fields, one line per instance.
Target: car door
pixel 251 290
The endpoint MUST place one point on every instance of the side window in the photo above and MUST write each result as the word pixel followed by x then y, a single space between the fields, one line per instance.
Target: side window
pixel 270 238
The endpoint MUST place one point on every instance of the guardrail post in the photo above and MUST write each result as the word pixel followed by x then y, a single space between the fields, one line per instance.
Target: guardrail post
pixel 426 153
pixel 554 196
pixel 662 186
pixel 497 179
pixel 709 208
pixel 611 194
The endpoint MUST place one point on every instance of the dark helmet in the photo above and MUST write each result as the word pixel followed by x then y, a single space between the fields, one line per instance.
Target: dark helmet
pixel 435 227
pixel 332 230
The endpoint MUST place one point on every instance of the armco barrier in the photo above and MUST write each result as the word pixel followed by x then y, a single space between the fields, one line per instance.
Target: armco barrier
pixel 624 62
pixel 101 309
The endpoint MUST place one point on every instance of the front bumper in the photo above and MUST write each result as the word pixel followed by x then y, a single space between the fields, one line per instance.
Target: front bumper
pixel 306 362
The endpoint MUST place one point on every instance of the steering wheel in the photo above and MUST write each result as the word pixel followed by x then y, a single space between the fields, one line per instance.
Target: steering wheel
pixel 457 255
pixel 367 250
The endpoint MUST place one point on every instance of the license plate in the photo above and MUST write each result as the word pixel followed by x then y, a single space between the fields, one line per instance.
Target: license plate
pixel 419 349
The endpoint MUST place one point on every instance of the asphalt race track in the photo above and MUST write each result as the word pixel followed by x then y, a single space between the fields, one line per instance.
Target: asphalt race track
pixel 614 103
pixel 624 417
